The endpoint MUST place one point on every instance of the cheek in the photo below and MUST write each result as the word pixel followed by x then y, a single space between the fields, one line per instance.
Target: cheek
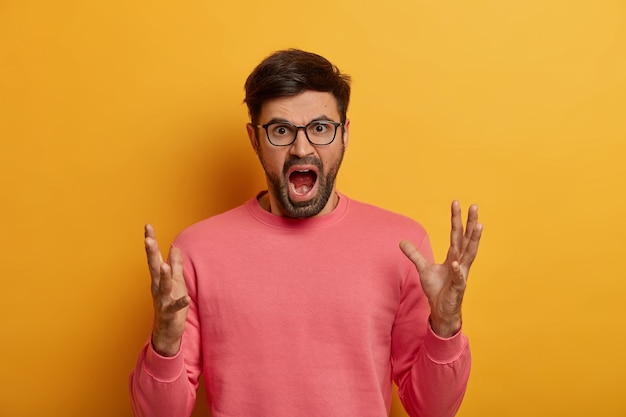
pixel 333 156
pixel 272 161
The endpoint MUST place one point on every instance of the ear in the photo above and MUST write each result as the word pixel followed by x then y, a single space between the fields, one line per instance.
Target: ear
pixel 346 132
pixel 254 141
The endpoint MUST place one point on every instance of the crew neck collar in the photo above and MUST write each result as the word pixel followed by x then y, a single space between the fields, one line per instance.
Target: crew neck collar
pixel 274 220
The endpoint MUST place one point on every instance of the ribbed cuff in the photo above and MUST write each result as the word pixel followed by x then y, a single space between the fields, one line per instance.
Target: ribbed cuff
pixel 444 350
pixel 162 368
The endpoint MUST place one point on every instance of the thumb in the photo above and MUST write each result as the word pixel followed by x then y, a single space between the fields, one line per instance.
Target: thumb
pixel 411 252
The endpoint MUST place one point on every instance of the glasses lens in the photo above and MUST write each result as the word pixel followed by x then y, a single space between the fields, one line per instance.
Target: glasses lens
pixel 281 133
pixel 321 132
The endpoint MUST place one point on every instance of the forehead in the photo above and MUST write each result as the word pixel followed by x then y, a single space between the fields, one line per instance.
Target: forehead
pixel 302 108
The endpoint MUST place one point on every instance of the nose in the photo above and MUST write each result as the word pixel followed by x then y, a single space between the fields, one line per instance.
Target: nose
pixel 301 147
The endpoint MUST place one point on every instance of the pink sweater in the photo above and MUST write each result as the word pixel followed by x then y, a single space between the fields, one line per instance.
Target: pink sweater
pixel 309 317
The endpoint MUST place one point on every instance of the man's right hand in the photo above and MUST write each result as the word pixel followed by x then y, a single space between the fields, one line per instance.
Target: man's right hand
pixel 169 295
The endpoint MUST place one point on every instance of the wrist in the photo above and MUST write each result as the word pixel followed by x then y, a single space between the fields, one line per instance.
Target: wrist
pixel 165 347
pixel 445 328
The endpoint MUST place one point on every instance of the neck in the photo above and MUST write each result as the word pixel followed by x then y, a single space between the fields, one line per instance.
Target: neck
pixel 266 204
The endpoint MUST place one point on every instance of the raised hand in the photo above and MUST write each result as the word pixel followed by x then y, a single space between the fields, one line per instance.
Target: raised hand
pixel 169 295
pixel 444 284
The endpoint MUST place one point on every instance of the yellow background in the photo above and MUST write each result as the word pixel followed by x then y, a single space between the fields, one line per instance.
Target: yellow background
pixel 118 113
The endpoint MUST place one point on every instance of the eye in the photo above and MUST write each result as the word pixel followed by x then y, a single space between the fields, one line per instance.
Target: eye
pixel 281 130
pixel 320 128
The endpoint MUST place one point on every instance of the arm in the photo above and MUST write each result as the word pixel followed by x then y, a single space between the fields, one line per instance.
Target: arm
pixel 434 384
pixel 432 374
pixel 160 384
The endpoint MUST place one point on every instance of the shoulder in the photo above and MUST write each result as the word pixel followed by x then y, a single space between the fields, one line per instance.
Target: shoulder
pixel 375 227
pixel 377 216
pixel 213 228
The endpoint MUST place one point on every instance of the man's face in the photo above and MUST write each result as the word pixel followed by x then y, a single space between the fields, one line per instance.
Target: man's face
pixel 301 176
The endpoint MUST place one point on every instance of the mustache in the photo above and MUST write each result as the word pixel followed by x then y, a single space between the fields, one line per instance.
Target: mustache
pixel 307 160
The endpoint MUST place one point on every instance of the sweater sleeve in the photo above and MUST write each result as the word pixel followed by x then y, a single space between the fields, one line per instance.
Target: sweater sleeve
pixel 159 386
pixel 431 372
pixel 166 386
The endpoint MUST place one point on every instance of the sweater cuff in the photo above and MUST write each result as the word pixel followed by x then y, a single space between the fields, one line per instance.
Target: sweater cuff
pixel 444 350
pixel 162 368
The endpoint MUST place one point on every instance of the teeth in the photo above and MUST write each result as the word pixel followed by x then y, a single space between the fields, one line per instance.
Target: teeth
pixel 302 189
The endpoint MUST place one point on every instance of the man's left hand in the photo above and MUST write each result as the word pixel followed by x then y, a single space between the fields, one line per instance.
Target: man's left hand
pixel 444 284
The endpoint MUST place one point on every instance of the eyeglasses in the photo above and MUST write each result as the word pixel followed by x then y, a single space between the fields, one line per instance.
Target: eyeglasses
pixel 318 132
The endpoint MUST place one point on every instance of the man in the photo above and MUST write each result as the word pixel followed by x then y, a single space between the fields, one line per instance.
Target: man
pixel 299 302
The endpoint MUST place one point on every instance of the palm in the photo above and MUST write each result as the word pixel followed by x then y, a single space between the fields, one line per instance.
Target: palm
pixel 434 279
pixel 444 284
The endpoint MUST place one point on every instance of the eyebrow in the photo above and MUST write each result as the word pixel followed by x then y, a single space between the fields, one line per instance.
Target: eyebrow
pixel 316 119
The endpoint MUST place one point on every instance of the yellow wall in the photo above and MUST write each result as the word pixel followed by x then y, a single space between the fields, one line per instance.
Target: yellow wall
pixel 114 114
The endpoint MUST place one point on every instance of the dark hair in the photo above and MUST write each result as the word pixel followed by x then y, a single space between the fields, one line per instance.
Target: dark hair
pixel 290 72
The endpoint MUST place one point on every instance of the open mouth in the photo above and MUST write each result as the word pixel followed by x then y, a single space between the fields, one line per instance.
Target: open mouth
pixel 302 181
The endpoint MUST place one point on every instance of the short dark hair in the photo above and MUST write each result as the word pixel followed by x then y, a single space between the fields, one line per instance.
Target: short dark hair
pixel 290 72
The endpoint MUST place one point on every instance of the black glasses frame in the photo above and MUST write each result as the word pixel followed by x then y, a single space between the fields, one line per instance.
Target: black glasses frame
pixel 303 127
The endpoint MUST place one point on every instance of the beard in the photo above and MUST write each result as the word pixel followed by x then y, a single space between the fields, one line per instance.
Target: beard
pixel 279 185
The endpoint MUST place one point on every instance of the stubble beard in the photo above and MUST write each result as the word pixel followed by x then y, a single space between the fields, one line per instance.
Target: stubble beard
pixel 279 184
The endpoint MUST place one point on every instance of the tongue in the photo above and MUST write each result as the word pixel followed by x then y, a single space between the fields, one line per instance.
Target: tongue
pixel 302 181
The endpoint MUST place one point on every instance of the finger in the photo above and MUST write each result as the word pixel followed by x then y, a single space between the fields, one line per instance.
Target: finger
pixel 411 252
pixel 148 230
pixel 179 304
pixel 472 247
pixel 176 261
pixel 152 253
pixel 458 274
pixel 472 219
pixel 165 280
pixel 456 231
pixel 452 255
pixel 165 291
